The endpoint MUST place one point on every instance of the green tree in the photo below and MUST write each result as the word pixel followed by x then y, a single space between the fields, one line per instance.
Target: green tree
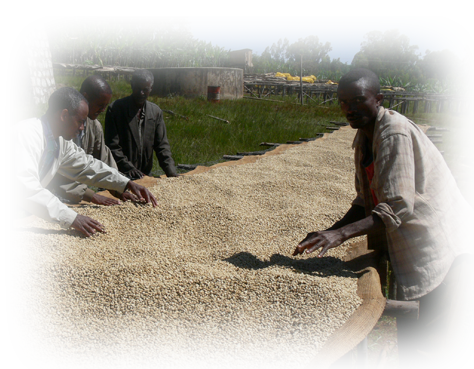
pixel 468 61
pixel 336 69
pixel 273 58
pixel 310 48
pixel 277 52
pixel 285 57
pixel 439 64
pixel 388 54
pixel 139 46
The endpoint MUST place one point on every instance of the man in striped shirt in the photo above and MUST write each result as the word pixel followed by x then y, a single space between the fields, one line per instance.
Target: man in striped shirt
pixel 407 203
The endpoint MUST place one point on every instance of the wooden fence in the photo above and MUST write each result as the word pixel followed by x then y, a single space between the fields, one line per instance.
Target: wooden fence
pixel 404 102
pixel 321 94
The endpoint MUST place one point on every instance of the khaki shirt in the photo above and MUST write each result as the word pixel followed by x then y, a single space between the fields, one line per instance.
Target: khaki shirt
pixel 426 218
pixel 92 142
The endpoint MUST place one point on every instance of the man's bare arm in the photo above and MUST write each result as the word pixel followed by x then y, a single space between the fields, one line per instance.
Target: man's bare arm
pixel 351 225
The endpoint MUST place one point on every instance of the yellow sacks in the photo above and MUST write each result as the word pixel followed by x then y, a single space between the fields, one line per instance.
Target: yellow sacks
pixel 289 77
pixel 310 79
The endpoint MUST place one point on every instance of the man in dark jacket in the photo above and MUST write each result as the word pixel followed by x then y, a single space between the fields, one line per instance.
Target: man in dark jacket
pixel 134 128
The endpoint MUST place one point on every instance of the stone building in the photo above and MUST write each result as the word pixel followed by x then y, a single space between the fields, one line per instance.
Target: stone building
pixel 240 59
pixel 28 67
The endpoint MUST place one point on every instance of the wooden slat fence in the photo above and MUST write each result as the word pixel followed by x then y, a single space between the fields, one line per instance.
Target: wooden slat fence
pixel 401 101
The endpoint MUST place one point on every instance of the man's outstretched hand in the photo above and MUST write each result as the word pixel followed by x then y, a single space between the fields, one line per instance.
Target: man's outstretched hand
pixel 102 200
pixel 126 196
pixel 142 193
pixel 353 224
pixel 323 240
pixel 87 226
pixel 135 174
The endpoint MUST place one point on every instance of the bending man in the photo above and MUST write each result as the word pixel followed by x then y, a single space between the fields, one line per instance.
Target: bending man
pixel 43 148
pixel 407 202
pixel 91 139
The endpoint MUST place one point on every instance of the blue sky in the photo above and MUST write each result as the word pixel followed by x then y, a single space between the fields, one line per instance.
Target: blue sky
pixel 344 33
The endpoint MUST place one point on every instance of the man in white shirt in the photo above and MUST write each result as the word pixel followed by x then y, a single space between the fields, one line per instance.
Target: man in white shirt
pixel 98 93
pixel 44 147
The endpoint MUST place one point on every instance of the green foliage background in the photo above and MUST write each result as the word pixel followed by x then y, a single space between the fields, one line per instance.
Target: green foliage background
pixel 389 54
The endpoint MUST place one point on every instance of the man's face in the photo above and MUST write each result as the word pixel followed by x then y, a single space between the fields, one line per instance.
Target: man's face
pixel 72 125
pixel 140 91
pixel 98 105
pixel 359 103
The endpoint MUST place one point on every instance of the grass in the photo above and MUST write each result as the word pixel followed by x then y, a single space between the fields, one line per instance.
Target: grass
pixel 203 140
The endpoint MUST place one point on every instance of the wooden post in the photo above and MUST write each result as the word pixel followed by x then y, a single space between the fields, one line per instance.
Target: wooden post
pixel 441 106
pixel 392 287
pixel 397 308
pixel 404 106
pixel 427 106
pixel 383 270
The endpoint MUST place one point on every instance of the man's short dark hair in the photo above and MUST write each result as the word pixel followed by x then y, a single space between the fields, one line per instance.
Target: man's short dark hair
pixel 142 75
pixel 95 86
pixel 65 98
pixel 361 73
